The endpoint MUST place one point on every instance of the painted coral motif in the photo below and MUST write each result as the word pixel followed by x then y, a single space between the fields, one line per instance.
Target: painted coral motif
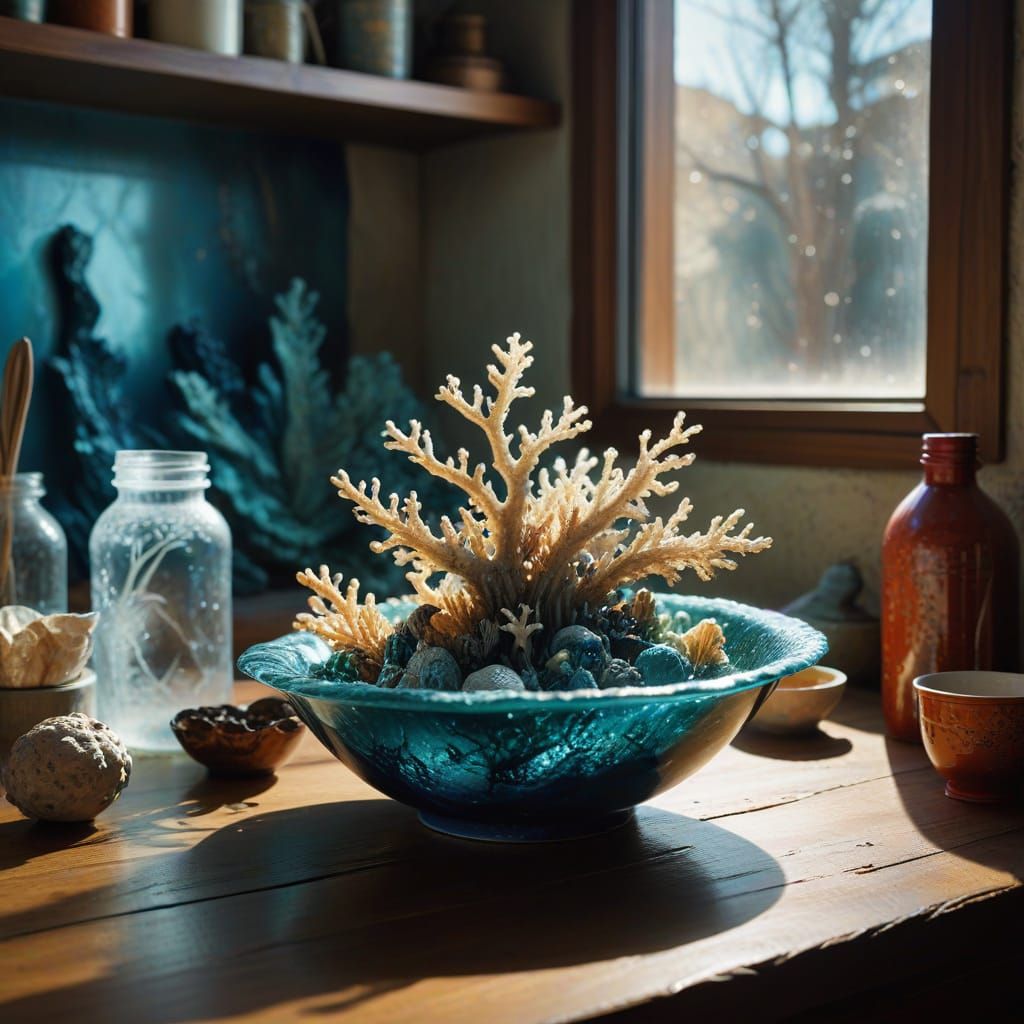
pixel 533 550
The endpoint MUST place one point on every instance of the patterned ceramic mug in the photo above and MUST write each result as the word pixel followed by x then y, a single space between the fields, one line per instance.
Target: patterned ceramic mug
pixel 972 725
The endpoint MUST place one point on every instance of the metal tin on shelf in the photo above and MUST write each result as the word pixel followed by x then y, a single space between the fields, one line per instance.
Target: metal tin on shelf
pixel 375 36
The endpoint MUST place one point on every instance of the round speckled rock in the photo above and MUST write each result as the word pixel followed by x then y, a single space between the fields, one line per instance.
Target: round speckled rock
pixel 68 768
pixel 620 673
pixel 431 668
pixel 661 665
pixel 493 677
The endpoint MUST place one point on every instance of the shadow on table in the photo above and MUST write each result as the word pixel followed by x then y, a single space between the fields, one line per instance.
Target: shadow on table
pixel 816 746
pixel 348 901
pixel 22 840
pixel 987 834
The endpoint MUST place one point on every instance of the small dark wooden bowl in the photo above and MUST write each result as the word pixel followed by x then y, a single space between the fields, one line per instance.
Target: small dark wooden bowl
pixel 234 742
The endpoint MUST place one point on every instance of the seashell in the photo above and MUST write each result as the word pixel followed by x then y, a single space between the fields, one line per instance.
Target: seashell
pixel 398 650
pixel 493 677
pixel 431 668
pixel 660 665
pixel 43 650
pixel 620 673
pixel 585 649
pixel 642 608
pixel 423 625
pixel 705 645
pixel 340 667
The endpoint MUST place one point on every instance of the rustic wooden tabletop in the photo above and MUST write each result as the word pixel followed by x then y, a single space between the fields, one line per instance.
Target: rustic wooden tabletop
pixel 785 877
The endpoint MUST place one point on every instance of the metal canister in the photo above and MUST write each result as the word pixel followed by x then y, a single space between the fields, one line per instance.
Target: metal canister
pixel 276 29
pixel 375 36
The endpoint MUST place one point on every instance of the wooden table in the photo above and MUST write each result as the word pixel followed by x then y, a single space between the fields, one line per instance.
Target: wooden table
pixel 785 877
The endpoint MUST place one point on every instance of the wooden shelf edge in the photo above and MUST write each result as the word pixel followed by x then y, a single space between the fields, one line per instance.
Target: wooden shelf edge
pixel 67 65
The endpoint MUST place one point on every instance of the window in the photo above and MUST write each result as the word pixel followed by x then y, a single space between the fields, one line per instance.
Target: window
pixel 790 220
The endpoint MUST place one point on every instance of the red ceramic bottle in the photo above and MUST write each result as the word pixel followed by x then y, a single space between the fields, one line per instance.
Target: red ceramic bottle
pixel 949 580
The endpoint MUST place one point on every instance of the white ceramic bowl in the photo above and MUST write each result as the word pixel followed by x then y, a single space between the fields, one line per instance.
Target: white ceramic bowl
pixel 800 702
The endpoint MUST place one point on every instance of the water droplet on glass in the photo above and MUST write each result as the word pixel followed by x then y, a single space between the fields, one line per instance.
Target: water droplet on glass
pixel 810 250
pixel 846 178
pixel 831 298
pixel 696 177
pixel 896 233
pixel 890 292
pixel 865 351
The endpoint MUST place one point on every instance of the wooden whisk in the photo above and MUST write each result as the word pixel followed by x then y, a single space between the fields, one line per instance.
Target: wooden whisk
pixel 14 403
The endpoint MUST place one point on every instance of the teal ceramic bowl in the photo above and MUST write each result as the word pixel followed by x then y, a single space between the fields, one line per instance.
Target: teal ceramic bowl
pixel 533 766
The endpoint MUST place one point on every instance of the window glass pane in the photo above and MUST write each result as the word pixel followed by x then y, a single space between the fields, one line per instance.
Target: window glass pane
pixel 801 198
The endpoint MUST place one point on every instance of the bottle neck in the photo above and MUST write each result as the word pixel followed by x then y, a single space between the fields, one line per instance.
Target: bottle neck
pixel 950 460
pixel 156 477
pixel 22 489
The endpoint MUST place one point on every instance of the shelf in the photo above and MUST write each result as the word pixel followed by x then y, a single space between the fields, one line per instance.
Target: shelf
pixel 137 76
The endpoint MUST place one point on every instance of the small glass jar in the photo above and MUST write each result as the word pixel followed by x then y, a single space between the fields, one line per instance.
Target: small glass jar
pixel 34 568
pixel 160 559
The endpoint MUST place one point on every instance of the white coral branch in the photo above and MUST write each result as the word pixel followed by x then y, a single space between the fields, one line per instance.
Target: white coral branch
pixel 551 540
pixel 521 628
pixel 339 618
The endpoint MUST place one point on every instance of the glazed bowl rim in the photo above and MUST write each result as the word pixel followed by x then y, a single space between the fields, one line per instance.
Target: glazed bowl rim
pixel 921 686
pixel 806 646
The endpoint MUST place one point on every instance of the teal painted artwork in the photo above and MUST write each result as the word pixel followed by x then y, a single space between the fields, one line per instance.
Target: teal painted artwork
pixel 187 223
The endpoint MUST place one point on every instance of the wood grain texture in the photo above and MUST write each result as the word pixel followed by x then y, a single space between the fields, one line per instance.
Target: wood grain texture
pixel 795 871
pixel 67 65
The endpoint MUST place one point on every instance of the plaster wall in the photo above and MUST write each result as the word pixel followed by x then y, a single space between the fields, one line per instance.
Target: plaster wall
pixel 494 254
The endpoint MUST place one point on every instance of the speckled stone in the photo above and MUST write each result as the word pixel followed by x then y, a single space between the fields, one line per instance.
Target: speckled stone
pixel 432 668
pixel 660 665
pixel 493 677
pixel 68 768
pixel 620 673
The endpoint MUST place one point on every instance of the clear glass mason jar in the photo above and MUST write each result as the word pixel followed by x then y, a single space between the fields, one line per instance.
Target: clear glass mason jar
pixel 160 561
pixel 33 548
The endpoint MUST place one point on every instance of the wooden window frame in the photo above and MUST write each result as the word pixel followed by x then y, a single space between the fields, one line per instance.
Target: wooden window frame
pixel 967 244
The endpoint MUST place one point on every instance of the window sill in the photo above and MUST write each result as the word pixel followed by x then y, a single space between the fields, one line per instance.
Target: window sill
pixel 817 434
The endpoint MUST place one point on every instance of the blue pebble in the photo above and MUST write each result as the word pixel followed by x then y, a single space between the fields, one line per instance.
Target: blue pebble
pixel 585 648
pixel 580 679
pixel 661 665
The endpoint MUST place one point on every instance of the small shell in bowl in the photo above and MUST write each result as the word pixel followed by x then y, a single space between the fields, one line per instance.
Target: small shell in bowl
pixel 43 650
pixel 800 702
pixel 233 741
